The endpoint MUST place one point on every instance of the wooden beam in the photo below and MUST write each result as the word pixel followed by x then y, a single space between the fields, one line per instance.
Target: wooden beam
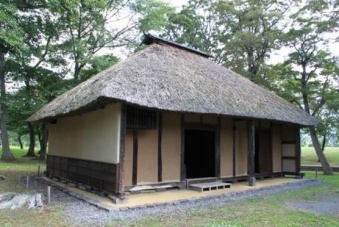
pixel 135 158
pixel 251 152
pixel 120 175
pixel 160 127
pixel 198 126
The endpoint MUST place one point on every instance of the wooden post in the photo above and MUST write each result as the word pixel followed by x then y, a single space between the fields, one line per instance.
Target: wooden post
pixel 234 149
pixel 251 153
pixel 135 158
pixel 298 150
pixel 120 174
pixel 160 126
pixel 182 154
pixel 48 194
pixel 217 149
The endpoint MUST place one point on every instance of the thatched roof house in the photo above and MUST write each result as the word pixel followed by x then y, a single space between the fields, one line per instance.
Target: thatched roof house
pixel 170 78
pixel 181 91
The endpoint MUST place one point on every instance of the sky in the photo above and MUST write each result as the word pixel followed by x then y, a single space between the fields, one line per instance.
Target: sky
pixel 176 3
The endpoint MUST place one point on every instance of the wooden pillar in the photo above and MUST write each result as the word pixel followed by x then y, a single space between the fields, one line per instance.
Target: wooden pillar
pixel 135 158
pixel 120 174
pixel 234 151
pixel 217 149
pixel 251 153
pixel 160 126
pixel 182 154
pixel 297 150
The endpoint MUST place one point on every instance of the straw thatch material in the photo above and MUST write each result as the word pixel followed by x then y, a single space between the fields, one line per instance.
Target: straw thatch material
pixel 168 78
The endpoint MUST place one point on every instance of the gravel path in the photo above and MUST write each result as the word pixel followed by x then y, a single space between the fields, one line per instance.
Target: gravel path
pixel 80 213
pixel 328 204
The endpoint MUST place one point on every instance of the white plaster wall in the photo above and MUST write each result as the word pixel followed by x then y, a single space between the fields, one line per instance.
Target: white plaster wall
pixel 91 136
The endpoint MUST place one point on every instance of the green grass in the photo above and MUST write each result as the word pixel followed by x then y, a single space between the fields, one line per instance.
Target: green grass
pixel 21 163
pixel 21 166
pixel 309 157
pixel 259 211
pixel 24 166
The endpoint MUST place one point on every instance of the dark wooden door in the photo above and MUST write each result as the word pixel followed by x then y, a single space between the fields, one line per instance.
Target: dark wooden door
pixel 263 152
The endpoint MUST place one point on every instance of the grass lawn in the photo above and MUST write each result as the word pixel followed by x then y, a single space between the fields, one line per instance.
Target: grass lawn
pixel 308 156
pixel 259 211
pixel 23 166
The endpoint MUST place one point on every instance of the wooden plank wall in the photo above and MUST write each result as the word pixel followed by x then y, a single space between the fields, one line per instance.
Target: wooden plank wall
pixel 289 148
pixel 98 175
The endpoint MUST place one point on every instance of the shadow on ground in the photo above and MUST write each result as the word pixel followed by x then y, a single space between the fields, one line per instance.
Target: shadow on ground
pixel 328 204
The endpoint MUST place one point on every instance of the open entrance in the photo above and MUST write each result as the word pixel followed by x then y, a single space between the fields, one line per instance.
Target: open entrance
pixel 263 152
pixel 199 153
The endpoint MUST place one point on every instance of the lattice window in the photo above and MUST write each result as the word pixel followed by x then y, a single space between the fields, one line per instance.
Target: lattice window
pixel 138 118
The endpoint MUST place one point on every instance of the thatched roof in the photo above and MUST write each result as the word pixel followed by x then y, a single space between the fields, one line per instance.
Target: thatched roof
pixel 173 79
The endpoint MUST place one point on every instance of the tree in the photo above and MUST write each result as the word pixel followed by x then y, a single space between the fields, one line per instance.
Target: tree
pixel 309 77
pixel 241 34
pixel 39 30
pixel 98 64
pixel 153 14
pixel 10 41
pixel 250 30
pixel 195 26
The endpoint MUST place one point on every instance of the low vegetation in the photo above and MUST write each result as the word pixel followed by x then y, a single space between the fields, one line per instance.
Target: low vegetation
pixel 13 171
pixel 309 157
pixel 259 211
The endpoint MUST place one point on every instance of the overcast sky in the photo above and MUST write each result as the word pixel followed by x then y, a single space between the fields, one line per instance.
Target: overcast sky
pixel 176 3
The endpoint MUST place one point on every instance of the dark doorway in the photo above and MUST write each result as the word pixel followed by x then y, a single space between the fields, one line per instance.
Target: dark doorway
pixel 263 152
pixel 199 153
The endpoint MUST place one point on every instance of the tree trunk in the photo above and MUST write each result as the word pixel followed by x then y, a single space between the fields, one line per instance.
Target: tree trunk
pixel 6 151
pixel 39 138
pixel 324 163
pixel 43 141
pixel 323 144
pixel 30 152
pixel 20 142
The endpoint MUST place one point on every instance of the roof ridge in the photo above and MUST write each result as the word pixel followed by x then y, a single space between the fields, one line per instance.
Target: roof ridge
pixel 151 39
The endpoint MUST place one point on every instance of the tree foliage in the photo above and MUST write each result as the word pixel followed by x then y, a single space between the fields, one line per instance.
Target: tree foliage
pixel 52 46
pixel 309 77
pixel 11 40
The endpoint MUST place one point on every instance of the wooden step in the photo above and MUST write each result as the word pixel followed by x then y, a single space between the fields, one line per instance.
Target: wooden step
pixel 210 186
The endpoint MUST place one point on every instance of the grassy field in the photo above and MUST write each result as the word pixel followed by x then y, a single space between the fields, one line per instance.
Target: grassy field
pixel 308 156
pixel 260 211
pixel 23 166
